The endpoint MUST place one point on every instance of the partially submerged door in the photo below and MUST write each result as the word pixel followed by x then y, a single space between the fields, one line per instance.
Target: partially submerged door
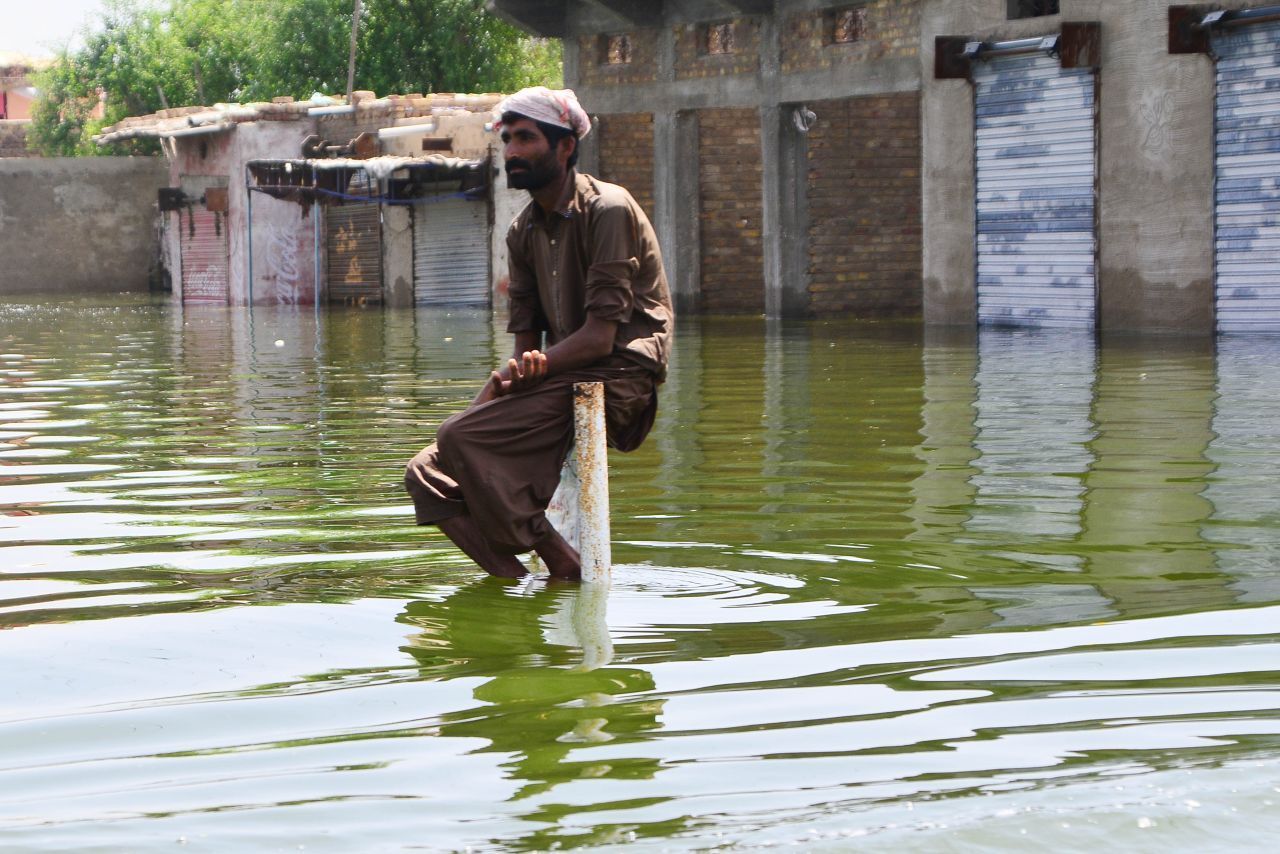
pixel 205 269
pixel 1036 149
pixel 353 239
pixel 451 251
pixel 1247 189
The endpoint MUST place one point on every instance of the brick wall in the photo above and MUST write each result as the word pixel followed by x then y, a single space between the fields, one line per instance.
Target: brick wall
pixel 692 61
pixel 864 207
pixel 890 30
pixel 730 177
pixel 13 139
pixel 626 154
pixel 643 67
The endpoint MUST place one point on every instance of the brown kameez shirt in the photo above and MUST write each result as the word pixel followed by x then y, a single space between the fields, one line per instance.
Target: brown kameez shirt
pixel 596 254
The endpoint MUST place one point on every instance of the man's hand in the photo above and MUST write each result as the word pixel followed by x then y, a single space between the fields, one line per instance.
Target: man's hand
pixel 519 375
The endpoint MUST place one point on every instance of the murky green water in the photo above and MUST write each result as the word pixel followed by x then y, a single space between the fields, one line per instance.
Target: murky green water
pixel 870 592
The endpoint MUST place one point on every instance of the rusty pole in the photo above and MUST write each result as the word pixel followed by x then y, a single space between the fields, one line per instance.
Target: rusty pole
pixel 579 510
pixel 593 471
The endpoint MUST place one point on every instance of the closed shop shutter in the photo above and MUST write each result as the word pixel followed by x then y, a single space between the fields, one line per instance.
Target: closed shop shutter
pixel 1247 194
pixel 1036 145
pixel 451 252
pixel 204 256
pixel 353 238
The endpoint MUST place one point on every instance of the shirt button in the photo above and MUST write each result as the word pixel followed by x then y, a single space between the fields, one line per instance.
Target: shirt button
pixel 553 243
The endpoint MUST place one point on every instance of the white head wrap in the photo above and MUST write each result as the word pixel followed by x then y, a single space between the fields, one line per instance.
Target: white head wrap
pixel 557 107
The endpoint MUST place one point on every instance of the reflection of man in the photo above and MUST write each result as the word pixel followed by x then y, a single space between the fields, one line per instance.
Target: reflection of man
pixel 587 273
pixel 537 702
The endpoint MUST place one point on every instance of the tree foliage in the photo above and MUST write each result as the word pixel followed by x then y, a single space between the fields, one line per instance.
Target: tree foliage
pixel 142 56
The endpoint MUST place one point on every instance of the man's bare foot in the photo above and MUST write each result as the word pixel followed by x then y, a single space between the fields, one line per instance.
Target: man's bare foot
pixel 466 535
pixel 560 558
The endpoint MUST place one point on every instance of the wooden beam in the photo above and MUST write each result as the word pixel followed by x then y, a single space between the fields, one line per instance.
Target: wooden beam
pixel 1185 33
pixel 949 61
pixel 1080 44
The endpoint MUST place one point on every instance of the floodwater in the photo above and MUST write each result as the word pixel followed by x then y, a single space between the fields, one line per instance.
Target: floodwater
pixel 872 589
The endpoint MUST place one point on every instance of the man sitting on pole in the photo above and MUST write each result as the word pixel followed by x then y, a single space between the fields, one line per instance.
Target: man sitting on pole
pixel 586 276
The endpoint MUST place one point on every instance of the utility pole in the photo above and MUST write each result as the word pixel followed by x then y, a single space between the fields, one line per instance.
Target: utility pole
pixel 351 62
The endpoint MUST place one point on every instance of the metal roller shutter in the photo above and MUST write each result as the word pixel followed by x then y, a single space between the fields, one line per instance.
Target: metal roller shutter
pixel 354 247
pixel 1247 190
pixel 205 276
pixel 1036 145
pixel 451 252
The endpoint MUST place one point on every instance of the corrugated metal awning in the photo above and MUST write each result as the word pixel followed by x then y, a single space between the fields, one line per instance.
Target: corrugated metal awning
pixel 392 180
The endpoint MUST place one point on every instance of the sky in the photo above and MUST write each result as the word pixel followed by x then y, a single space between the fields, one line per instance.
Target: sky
pixel 37 28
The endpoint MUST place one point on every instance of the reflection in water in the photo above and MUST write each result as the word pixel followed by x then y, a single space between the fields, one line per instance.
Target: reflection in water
pixel 868 581
pixel 1032 434
pixel 548 687
pixel 1241 490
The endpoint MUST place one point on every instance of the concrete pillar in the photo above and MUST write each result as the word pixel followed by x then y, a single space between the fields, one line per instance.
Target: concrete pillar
pixel 397 255
pixel 785 270
pixel 675 187
pixel 786 214
pixel 949 188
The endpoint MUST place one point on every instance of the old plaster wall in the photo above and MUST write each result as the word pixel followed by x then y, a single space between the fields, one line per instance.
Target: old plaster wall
pixel 78 225
pixel 1156 154
pixel 1155 188
pixel 285 270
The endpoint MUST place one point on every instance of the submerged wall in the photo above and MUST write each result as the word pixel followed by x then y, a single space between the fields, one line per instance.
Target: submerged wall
pixel 78 224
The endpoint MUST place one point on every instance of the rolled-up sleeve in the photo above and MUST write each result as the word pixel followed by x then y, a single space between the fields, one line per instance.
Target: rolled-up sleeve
pixel 613 265
pixel 524 307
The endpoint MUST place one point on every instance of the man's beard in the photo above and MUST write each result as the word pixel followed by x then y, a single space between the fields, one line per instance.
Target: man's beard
pixel 538 174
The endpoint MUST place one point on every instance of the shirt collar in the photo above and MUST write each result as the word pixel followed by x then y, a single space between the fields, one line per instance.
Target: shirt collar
pixel 576 190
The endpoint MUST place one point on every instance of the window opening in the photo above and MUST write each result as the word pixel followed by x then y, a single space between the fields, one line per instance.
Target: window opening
pixel 846 26
pixel 719 39
pixel 1032 8
pixel 617 50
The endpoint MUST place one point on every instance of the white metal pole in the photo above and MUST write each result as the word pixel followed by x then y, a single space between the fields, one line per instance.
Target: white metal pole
pixel 579 510
pixel 592 455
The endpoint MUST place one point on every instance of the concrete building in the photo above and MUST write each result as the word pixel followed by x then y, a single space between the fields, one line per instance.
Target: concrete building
pixel 1072 174
pixel 775 145
pixel 1088 164
pixel 384 200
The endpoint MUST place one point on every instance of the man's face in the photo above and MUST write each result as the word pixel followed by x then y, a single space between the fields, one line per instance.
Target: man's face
pixel 531 162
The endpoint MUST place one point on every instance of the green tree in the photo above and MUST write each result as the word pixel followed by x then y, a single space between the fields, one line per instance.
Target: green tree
pixel 146 54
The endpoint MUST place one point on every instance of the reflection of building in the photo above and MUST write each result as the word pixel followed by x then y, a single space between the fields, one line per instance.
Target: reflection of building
pixel 288 203
pixel 1245 427
pixel 1091 470
pixel 1033 429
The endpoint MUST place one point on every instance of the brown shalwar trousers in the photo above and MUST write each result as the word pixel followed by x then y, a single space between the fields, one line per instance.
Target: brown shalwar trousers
pixel 500 461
